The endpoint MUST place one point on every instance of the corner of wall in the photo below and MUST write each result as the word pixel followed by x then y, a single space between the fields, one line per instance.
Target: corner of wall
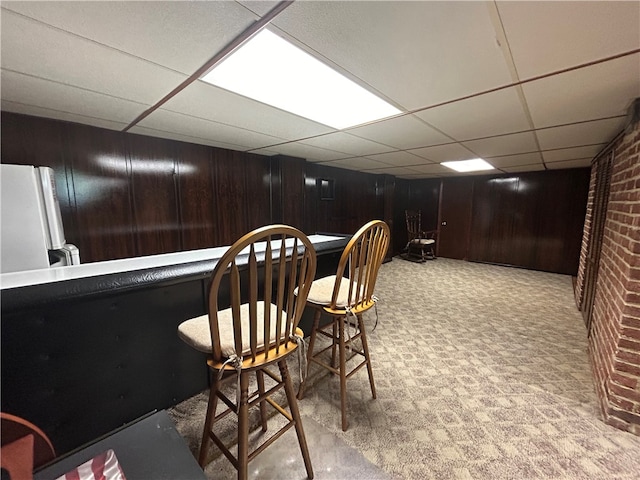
pixel 614 342
pixel 578 290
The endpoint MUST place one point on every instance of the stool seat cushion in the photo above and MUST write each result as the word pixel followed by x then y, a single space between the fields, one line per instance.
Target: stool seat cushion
pixel 423 241
pixel 196 332
pixel 322 289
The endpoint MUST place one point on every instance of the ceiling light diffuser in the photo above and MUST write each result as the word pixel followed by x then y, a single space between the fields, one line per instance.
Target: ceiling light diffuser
pixel 271 70
pixel 473 165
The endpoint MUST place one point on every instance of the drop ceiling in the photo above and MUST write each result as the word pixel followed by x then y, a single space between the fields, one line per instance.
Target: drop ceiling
pixel 527 86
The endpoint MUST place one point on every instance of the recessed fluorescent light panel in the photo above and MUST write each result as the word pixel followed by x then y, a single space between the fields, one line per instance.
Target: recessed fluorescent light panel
pixel 271 70
pixel 473 165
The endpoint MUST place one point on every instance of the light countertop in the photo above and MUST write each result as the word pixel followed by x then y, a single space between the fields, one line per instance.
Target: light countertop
pixel 72 272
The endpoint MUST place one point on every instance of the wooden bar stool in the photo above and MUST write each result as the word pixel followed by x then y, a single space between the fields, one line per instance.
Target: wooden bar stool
pixel 257 331
pixel 344 297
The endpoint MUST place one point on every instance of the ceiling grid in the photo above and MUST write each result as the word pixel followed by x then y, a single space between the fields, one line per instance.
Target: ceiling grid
pixel 512 82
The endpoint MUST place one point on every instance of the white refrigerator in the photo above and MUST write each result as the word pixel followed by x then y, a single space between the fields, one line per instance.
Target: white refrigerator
pixel 31 230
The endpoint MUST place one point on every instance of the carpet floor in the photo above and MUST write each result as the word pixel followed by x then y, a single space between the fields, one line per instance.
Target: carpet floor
pixel 481 373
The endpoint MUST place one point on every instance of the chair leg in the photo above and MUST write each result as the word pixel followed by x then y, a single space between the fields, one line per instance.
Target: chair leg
pixel 312 342
pixel 243 427
pixel 295 413
pixel 365 348
pixel 263 404
pixel 208 422
pixel 334 344
pixel 343 373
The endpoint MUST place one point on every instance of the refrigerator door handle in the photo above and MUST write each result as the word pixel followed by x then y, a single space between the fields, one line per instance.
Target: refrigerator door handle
pixel 49 197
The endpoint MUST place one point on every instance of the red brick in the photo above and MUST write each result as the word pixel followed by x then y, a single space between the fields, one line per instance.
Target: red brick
pixel 624 380
pixel 614 344
pixel 624 415
pixel 629 357
pixel 627 368
pixel 633 260
pixel 616 422
pixel 631 345
pixel 629 321
pixel 621 403
pixel 630 332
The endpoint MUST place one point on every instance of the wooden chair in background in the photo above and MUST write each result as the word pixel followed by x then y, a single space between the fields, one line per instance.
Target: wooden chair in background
pixel 255 333
pixel 24 447
pixel 344 297
pixel 421 244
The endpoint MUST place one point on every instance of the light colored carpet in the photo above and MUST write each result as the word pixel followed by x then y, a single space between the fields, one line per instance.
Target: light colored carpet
pixel 481 373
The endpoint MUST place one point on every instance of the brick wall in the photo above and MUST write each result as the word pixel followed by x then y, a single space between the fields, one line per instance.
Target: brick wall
pixel 614 343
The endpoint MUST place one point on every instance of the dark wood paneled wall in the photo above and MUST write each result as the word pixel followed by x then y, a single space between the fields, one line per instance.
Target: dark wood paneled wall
pixel 292 188
pixel 101 188
pixel 154 197
pixel 196 198
pixel 389 214
pixel 357 196
pixel 531 220
pixel 424 195
pixel 125 195
pixel 401 202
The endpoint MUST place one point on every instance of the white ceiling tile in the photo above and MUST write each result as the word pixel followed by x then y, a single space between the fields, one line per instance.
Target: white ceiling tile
pixel 259 7
pixel 100 63
pixel 181 36
pixel 572 153
pixel 483 173
pixel 27 90
pixel 196 127
pixel 414 53
pixel 433 168
pixel 587 133
pixel 549 36
pixel 313 154
pixel 486 115
pixel 533 158
pixel 216 104
pixel 401 132
pixel 358 163
pixel 31 47
pixel 37 111
pixel 347 143
pixel 444 153
pixel 183 138
pixel 598 91
pixel 504 145
pixel 578 163
pixel 399 158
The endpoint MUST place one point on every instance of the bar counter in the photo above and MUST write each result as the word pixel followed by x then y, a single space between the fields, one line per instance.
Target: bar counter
pixel 88 348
